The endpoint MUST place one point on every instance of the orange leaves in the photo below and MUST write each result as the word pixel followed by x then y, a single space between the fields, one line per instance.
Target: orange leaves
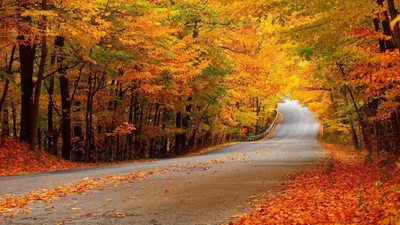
pixel 119 214
pixel 347 191
pixel 16 158
pixel 10 202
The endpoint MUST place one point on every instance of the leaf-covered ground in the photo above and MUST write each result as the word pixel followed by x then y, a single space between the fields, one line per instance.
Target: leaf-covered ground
pixel 350 188
pixel 16 158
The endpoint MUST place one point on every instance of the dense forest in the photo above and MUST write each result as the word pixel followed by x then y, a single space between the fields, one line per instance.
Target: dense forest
pixel 110 80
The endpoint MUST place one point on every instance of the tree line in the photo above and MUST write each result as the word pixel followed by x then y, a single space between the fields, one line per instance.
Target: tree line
pixel 110 80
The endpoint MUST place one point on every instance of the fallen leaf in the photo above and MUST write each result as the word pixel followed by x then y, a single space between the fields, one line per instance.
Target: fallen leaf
pixel 49 208
pixel 119 214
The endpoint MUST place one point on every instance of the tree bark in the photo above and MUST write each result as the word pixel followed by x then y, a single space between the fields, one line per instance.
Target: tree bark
pixel 178 136
pixel 65 118
pixel 27 57
pixel 89 105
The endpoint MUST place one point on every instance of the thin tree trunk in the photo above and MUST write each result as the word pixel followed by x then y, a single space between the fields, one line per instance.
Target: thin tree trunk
pixel 192 139
pixel 135 122
pixel 178 136
pixel 129 139
pixel 38 87
pixel 50 125
pixel 141 149
pixel 5 131
pixel 7 83
pixel 89 106
pixel 14 119
pixel 353 131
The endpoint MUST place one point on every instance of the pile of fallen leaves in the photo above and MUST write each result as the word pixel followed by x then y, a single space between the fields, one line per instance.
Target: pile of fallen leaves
pixel 350 188
pixel 16 158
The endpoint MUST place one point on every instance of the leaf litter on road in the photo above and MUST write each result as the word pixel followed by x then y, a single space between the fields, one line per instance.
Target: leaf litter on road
pixel 11 203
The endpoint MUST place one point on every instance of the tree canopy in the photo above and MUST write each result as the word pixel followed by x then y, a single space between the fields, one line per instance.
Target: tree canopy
pixel 107 80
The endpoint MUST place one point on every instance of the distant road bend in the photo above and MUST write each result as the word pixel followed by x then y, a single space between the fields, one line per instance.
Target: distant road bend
pixel 207 195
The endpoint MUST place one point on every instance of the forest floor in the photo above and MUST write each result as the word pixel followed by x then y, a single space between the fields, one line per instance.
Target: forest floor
pixel 350 188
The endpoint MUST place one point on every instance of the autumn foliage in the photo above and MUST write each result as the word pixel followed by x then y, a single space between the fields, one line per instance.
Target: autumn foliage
pixel 121 80
pixel 349 188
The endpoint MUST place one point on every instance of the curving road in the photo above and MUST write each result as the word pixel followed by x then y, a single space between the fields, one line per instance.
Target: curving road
pixel 218 187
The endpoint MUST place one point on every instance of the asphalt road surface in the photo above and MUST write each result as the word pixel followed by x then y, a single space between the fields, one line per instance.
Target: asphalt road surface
pixel 204 189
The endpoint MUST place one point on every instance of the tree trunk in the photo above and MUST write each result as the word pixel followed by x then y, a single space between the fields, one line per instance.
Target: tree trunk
pixel 129 138
pixel 387 31
pixel 192 138
pixel 178 136
pixel 139 141
pixel 14 119
pixel 353 131
pixel 50 125
pixel 27 57
pixel 7 84
pixel 382 47
pixel 135 122
pixel 5 131
pixel 65 118
pixel 38 87
pixel 89 106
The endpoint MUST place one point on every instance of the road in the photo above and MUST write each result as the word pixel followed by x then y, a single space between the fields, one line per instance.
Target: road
pixel 204 189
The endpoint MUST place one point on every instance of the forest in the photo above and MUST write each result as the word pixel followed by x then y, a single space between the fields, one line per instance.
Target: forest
pixel 114 80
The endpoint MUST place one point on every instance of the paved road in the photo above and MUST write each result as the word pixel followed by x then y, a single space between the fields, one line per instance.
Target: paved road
pixel 217 187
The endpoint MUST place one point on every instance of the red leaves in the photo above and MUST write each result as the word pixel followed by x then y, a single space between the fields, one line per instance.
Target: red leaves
pixel 347 191
pixel 16 158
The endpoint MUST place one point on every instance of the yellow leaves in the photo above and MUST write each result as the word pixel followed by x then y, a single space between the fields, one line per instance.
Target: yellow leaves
pixel 38 14
pixel 75 208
